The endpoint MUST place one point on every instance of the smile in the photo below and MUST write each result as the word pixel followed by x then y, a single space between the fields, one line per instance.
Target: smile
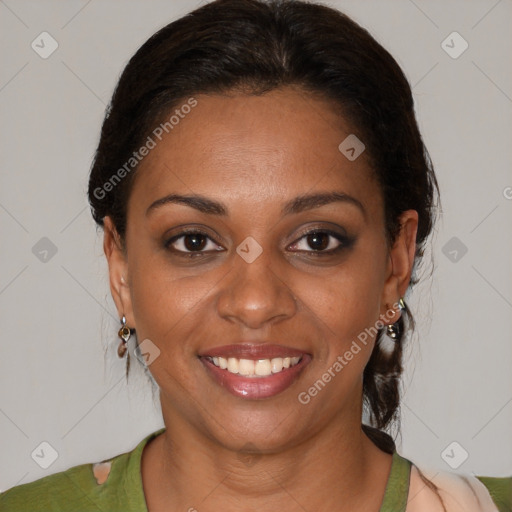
pixel 254 371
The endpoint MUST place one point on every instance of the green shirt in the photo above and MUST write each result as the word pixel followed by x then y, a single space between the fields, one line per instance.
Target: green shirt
pixel 78 490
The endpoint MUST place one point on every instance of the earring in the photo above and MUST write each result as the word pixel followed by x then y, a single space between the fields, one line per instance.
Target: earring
pixel 124 333
pixel 394 330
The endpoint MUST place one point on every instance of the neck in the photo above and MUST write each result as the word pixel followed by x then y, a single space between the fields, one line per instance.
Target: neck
pixel 338 468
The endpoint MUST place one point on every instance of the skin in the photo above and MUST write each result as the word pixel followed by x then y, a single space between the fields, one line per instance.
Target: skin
pixel 253 154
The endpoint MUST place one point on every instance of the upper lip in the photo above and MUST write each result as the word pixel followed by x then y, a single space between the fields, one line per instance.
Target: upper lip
pixel 262 350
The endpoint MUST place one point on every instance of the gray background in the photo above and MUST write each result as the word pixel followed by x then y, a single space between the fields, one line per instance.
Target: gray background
pixel 61 381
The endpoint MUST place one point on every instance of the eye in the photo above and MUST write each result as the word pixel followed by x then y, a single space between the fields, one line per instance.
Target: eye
pixel 192 241
pixel 316 242
pixel 322 241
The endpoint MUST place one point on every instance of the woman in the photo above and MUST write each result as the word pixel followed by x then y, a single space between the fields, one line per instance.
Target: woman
pixel 266 198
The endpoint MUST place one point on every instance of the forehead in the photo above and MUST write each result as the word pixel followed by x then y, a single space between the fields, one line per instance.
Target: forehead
pixel 252 150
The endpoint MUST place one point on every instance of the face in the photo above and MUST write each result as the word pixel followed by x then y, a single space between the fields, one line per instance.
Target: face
pixel 251 272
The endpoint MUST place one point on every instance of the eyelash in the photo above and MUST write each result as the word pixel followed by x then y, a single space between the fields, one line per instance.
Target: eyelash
pixel 345 242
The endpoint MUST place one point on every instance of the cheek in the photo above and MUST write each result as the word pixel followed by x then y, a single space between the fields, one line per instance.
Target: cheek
pixel 345 308
pixel 344 311
pixel 170 312
pixel 346 302
pixel 164 305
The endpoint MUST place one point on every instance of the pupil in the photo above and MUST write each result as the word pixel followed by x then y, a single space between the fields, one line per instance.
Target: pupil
pixel 318 241
pixel 198 242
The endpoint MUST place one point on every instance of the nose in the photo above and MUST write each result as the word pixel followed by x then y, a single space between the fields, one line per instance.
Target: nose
pixel 256 294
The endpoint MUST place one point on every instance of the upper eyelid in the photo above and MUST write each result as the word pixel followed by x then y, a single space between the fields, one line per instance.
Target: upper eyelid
pixel 320 229
pixel 182 234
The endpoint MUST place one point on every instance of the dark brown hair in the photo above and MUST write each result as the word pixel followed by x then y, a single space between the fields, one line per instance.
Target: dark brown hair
pixel 255 46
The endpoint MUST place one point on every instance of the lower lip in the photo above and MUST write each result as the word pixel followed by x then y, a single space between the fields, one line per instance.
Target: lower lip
pixel 256 387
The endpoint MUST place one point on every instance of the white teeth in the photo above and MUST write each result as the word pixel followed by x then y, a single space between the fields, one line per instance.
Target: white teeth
pixel 232 365
pixel 276 364
pixel 246 367
pixel 262 367
pixel 255 368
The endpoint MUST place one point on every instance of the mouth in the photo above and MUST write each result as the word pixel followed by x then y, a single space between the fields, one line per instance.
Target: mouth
pixel 255 371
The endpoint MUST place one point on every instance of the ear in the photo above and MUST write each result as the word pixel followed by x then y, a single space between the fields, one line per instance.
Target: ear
pixel 400 264
pixel 118 271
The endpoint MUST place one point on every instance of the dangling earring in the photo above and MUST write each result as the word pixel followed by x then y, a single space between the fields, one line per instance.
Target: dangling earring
pixel 393 330
pixel 124 333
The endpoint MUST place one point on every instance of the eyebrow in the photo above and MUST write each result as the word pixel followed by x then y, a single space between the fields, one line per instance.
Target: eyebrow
pixel 297 205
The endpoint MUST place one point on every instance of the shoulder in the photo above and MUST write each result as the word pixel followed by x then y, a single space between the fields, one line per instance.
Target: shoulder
pixel 500 489
pixel 86 487
pixel 443 491
pixel 73 489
